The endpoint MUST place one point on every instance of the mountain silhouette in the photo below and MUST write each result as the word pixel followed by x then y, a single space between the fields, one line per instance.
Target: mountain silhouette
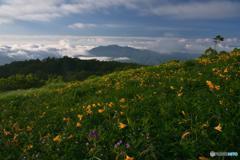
pixel 140 56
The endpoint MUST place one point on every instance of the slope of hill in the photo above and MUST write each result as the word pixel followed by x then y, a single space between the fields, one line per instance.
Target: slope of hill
pixel 35 73
pixel 145 57
pixel 178 110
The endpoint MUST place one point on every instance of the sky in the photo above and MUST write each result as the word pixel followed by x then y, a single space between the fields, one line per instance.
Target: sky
pixel 72 26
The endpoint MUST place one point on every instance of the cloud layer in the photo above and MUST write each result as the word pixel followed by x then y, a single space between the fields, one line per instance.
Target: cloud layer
pixel 46 10
pixel 212 9
pixel 32 47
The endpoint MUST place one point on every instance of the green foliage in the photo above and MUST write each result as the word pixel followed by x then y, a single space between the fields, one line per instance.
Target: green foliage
pixel 219 38
pixel 210 52
pixel 17 75
pixel 177 110
pixel 69 68
pixel 20 82
pixel 236 50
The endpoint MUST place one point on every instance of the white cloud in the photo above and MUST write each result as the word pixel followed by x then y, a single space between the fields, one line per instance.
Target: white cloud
pixel 46 10
pixel 18 53
pixel 30 10
pixel 82 26
pixel 199 10
pixel 27 47
pixel 119 59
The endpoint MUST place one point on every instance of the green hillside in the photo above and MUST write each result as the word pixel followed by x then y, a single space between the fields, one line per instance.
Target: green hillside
pixel 177 110
pixel 36 73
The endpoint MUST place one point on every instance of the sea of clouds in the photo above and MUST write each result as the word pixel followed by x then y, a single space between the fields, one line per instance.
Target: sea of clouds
pixel 14 48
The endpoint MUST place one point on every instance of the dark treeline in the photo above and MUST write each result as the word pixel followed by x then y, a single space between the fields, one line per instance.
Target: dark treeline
pixel 35 73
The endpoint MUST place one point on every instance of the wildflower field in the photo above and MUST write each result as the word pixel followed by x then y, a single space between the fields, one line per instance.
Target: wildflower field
pixel 177 110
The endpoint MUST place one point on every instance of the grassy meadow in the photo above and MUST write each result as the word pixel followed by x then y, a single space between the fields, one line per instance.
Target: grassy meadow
pixel 177 110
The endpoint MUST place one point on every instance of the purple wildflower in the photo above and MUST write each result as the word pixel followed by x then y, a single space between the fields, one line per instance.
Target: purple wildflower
pixel 127 145
pixel 93 134
pixel 118 144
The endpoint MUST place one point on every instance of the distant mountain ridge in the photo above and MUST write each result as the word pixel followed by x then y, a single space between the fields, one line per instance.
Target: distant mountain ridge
pixel 4 59
pixel 106 53
pixel 140 56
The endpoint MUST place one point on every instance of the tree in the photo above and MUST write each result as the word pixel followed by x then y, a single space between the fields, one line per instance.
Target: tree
pixel 210 52
pixel 217 40
pixel 236 50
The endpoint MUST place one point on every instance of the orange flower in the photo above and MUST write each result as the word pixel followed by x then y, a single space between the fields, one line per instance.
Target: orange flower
pixel 57 139
pixel 179 94
pixel 80 117
pixel 89 110
pixel 122 100
pixel 217 87
pixel 210 84
pixel 78 125
pixel 30 146
pixel 218 128
pixel 185 134
pixel 110 104
pixel 66 120
pixel 225 70
pixel 101 110
pixel 122 125
pixel 6 133
pixel 129 158
pixel 202 158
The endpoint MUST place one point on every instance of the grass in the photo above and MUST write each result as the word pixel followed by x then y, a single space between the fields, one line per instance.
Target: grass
pixel 177 110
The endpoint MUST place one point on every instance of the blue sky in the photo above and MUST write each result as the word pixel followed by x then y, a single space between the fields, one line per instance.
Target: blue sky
pixel 152 18
pixel 69 27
